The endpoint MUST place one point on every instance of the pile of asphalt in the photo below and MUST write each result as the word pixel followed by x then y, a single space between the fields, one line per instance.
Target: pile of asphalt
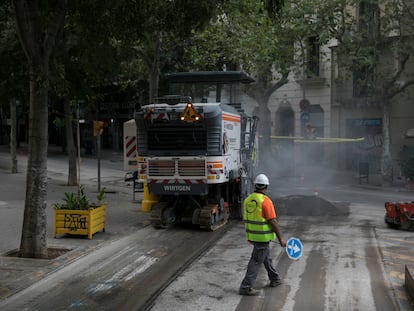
pixel 308 205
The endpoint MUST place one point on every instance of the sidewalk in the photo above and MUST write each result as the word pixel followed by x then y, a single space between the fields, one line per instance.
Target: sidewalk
pixel 123 216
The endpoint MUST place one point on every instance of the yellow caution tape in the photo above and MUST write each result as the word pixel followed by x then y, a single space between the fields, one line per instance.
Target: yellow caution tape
pixel 300 139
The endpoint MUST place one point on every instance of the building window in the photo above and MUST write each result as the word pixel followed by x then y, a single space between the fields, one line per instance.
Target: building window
pixel 285 121
pixel 368 18
pixel 368 30
pixel 371 149
pixel 362 80
pixel 312 65
pixel 312 122
pixel 316 120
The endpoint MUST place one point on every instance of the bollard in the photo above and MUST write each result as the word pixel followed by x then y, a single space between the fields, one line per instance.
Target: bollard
pixel 149 199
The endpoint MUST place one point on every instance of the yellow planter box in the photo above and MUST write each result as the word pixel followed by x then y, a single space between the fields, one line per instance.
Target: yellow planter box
pixel 79 222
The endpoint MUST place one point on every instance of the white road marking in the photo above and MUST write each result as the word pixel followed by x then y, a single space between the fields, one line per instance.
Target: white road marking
pixel 130 271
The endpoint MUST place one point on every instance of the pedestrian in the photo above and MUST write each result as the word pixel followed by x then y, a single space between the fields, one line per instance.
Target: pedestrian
pixel 261 228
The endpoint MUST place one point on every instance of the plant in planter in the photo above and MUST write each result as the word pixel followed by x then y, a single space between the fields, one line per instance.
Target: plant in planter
pixel 406 162
pixel 78 215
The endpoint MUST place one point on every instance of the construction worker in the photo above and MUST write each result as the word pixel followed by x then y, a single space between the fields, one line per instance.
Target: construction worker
pixel 261 228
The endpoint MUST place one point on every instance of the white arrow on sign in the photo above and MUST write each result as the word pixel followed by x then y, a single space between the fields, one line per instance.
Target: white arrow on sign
pixel 294 247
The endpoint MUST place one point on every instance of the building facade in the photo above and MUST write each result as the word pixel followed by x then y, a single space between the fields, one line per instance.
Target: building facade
pixel 320 103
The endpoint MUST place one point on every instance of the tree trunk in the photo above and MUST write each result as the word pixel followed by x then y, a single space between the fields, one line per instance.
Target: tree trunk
pixel 70 144
pixel 153 69
pixel 153 84
pixel 386 158
pixel 13 135
pixel 261 92
pixel 38 40
pixel 33 240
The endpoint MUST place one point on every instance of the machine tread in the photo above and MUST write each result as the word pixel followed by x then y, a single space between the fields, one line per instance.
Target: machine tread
pixel 210 217
pixel 156 215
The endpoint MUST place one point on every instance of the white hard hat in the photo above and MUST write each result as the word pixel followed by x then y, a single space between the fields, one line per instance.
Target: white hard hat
pixel 261 181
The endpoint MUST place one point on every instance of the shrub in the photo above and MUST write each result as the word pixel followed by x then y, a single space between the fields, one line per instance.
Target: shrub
pixel 79 201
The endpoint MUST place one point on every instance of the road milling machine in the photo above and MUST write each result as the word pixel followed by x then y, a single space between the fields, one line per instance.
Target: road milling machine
pixel 196 150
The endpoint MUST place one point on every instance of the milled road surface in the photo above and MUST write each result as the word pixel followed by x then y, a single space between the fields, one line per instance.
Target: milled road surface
pixel 125 274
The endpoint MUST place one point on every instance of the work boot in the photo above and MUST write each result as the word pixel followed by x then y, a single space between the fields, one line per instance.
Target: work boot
pixel 249 292
pixel 275 283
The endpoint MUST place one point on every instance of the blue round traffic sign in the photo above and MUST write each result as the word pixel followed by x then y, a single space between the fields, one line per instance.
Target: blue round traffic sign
pixel 304 117
pixel 294 248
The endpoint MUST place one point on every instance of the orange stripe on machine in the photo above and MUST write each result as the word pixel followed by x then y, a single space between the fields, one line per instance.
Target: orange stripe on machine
pixel 215 168
pixel 230 117
pixel 211 165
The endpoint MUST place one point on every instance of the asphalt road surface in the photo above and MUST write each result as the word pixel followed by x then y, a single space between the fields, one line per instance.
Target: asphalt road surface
pixel 351 261
pixel 342 268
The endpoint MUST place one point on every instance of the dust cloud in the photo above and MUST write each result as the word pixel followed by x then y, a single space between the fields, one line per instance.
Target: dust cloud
pixel 303 166
pixel 310 164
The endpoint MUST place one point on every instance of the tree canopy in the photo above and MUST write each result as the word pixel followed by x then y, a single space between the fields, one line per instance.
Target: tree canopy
pixel 14 74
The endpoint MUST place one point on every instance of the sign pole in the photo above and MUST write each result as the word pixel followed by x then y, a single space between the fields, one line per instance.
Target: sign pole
pixel 78 143
pixel 98 137
pixel 97 131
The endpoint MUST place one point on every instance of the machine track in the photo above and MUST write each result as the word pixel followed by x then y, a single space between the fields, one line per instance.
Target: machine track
pixel 211 218
pixel 157 215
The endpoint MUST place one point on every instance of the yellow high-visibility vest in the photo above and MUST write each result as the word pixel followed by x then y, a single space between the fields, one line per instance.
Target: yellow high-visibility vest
pixel 257 227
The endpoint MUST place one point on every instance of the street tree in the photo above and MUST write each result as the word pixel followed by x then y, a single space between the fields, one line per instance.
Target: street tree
pixel 382 31
pixel 158 29
pixel 266 38
pixel 86 57
pixel 120 46
pixel 38 25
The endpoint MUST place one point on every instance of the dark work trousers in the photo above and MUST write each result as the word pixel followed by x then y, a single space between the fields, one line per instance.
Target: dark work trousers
pixel 260 255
